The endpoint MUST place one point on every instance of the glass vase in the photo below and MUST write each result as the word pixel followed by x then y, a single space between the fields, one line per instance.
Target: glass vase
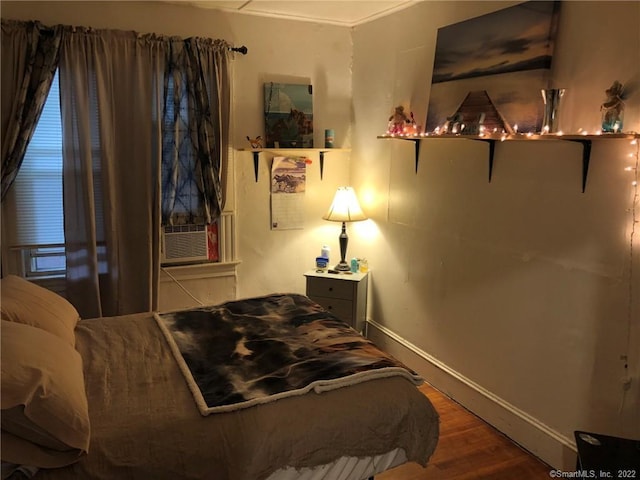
pixel 612 119
pixel 551 98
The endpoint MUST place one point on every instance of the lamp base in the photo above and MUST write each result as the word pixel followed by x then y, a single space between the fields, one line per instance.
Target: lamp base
pixel 342 267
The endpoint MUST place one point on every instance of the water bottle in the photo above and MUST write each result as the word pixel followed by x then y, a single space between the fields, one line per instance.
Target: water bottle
pixel 354 265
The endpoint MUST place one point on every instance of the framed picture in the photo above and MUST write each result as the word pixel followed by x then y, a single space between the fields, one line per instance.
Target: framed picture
pixel 288 115
pixel 489 71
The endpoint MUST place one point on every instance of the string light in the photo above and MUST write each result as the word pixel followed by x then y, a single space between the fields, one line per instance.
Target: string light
pixel 631 298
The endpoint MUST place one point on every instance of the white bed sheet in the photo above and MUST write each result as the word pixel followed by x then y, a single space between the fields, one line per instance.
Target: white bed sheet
pixel 345 468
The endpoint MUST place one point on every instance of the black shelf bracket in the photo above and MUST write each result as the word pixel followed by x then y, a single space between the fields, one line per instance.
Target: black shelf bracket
pixel 586 158
pixel 416 146
pixel 492 151
pixel 256 163
pixel 416 143
pixel 322 152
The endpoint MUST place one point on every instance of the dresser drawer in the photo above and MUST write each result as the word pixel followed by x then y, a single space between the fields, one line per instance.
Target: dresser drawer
pixel 343 309
pixel 330 288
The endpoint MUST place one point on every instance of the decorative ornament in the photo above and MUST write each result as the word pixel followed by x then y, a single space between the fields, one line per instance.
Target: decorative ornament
pixel 613 108
pixel 398 121
pixel 255 142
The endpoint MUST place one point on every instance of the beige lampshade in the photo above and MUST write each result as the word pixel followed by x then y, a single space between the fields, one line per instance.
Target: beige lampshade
pixel 345 207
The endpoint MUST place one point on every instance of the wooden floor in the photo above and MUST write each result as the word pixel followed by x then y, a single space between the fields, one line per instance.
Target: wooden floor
pixel 469 448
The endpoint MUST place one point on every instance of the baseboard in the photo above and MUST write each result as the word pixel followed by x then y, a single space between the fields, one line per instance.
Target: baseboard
pixel 552 447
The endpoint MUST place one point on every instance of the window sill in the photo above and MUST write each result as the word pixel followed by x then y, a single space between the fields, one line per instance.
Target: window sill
pixel 198 271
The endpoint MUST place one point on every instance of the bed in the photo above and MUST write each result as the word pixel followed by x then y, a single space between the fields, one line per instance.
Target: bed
pixel 125 408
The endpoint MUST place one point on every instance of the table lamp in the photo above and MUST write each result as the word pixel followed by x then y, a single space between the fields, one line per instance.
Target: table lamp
pixel 344 208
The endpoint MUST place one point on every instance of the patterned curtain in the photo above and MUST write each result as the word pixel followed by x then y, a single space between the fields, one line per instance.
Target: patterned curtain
pixel 30 55
pixel 195 131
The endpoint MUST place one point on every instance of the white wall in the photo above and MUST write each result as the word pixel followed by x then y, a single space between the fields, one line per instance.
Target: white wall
pixel 282 50
pixel 515 296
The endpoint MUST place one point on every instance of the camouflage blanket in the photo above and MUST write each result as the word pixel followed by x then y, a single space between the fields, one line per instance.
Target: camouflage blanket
pixel 246 352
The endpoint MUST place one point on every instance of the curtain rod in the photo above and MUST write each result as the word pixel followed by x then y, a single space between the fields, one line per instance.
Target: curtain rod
pixel 243 50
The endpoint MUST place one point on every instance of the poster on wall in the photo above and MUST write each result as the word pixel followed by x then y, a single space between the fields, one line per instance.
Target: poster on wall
pixel 288 184
pixel 288 115
pixel 489 71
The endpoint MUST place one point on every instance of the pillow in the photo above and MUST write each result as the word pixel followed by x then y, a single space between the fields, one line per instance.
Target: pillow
pixel 25 302
pixel 45 417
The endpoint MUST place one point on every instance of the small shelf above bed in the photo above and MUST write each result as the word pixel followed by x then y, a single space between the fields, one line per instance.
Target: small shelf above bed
pixel 290 151
pixel 491 140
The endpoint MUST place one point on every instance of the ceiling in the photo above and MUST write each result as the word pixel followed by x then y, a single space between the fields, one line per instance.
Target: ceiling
pixel 337 12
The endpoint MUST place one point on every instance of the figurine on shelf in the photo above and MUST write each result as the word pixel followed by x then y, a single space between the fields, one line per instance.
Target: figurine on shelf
pixel 613 108
pixel 453 124
pixel 475 127
pixel 255 142
pixel 398 121
pixel 411 127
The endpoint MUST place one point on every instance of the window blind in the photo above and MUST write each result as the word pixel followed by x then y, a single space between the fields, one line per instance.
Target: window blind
pixel 37 188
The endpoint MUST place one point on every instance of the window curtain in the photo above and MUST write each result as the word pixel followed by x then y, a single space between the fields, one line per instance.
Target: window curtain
pixel 29 61
pixel 109 89
pixel 196 117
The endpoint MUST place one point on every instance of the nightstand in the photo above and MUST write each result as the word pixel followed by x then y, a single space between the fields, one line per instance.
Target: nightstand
pixel 343 294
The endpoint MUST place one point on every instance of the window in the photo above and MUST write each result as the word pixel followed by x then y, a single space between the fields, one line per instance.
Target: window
pixel 36 220
pixel 181 199
pixel 33 219
pixel 44 260
pixel 185 238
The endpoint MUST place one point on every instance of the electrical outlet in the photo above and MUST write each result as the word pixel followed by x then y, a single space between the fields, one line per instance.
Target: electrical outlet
pixel 626 383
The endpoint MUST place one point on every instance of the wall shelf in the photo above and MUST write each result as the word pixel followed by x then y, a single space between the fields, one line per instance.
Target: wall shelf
pixel 290 151
pixel 492 139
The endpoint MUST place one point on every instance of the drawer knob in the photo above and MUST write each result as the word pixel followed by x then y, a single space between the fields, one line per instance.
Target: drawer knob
pixel 331 289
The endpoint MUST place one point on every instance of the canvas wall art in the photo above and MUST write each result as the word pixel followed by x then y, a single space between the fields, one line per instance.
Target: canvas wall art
pixel 288 114
pixel 489 71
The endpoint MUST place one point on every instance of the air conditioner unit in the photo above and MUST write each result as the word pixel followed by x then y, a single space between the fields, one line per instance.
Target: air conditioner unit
pixel 184 243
